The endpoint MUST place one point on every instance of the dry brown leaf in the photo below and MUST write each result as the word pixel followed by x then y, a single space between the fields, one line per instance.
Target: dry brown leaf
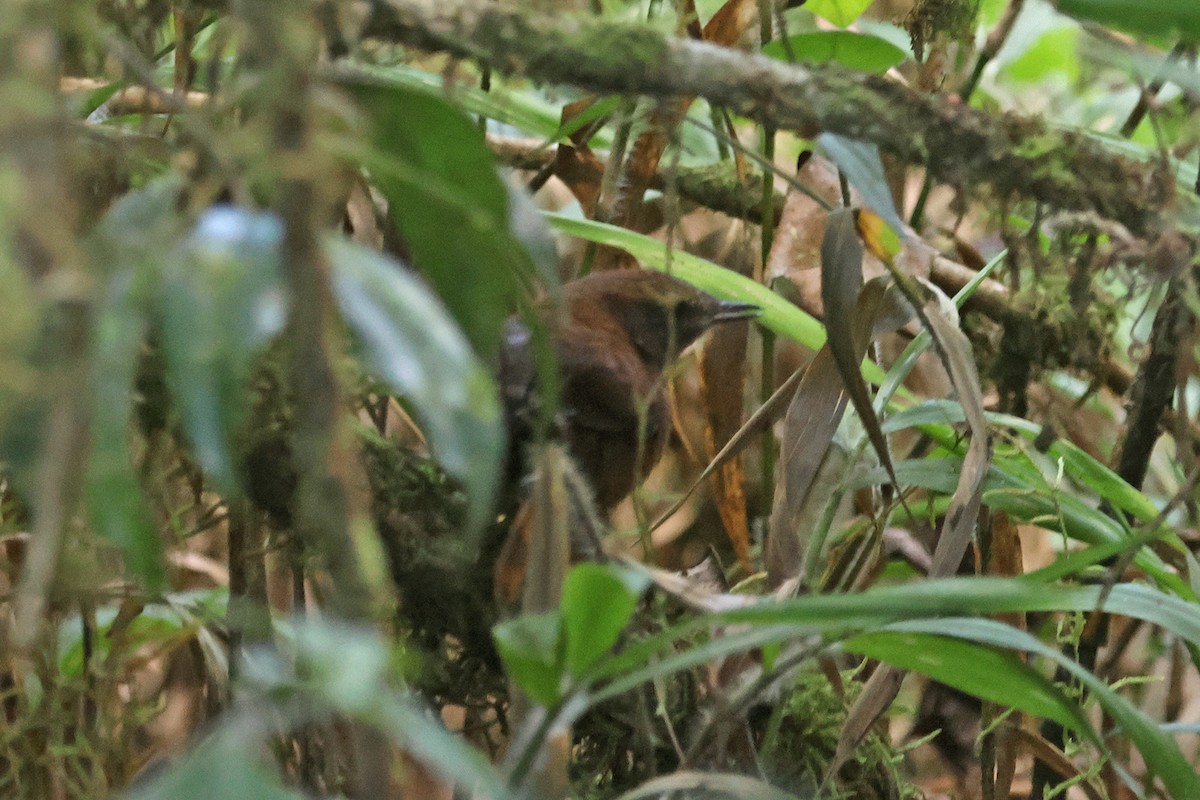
pixel 575 164
pixel 812 419
pixel 877 694
pixel 731 22
pixel 941 319
pixel 954 350
pixel 847 323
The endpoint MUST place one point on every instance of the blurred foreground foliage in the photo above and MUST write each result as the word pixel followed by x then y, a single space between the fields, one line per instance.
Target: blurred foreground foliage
pixel 256 260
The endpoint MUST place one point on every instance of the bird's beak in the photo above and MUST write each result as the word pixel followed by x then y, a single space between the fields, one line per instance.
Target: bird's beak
pixel 730 312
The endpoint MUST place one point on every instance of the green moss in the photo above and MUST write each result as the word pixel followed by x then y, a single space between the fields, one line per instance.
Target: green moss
pixel 931 19
pixel 800 738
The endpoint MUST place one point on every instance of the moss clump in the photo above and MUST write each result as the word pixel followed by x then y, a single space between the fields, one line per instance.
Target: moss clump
pixel 929 19
pixel 800 735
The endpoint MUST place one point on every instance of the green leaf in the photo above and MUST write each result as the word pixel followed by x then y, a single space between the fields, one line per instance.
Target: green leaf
pixel 859 51
pixel 777 315
pixel 225 766
pixel 597 602
pixel 1054 51
pixel 863 167
pixel 430 160
pixel 1139 16
pixel 1160 751
pixel 112 491
pixel 986 673
pixel 344 665
pixel 221 300
pixel 128 246
pixel 409 341
pixel 839 12
pixel 531 648
pixel 520 109
pixel 155 623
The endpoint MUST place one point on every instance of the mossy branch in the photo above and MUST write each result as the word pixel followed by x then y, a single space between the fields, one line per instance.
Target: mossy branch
pixel 960 146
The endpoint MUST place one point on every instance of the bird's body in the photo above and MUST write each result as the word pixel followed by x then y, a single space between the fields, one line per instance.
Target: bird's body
pixel 618 331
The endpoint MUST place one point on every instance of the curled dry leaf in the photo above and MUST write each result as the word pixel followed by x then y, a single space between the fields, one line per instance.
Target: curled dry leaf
pixel 848 325
pixel 940 318
pixel 812 419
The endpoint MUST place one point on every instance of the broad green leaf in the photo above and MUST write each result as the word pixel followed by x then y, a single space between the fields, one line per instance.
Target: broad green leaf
pixel 410 343
pixel 449 203
pixel 984 672
pixel 112 491
pixel 128 247
pixel 221 301
pixel 1160 751
pixel 1054 51
pixel 1140 16
pixel 228 765
pixel 854 50
pixel 520 109
pixel 597 602
pixel 839 12
pixel 531 647
pixel 154 624
pixel 344 665
pixel 863 167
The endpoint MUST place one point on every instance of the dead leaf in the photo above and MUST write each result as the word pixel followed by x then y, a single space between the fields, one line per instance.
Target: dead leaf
pixel 841 279
pixel 816 410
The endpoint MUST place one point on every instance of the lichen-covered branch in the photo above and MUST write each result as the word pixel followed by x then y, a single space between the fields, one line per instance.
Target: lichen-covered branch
pixel 959 145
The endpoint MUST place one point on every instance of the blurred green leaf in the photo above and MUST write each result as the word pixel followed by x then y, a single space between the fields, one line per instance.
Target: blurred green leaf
pixel 839 12
pixel 221 301
pixel 988 674
pixel 128 247
pixel 523 110
pixel 409 341
pixel 531 647
pixel 1139 16
pixel 1054 51
pixel 154 624
pixel 345 665
pixel 854 50
pixel 225 766
pixel 451 206
pixel 112 491
pixel 597 602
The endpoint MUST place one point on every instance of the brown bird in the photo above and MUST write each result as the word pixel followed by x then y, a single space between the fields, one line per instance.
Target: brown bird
pixel 618 331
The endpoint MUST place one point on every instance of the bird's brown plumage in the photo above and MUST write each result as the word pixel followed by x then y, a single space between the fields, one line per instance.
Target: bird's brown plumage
pixel 617 332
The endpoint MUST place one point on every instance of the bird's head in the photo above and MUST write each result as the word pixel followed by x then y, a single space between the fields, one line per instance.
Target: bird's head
pixel 661 314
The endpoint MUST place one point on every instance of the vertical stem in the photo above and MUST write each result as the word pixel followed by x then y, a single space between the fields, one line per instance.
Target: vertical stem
pixel 767 355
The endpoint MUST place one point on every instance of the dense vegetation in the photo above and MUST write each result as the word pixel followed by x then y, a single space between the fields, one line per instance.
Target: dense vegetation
pixel 926 528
